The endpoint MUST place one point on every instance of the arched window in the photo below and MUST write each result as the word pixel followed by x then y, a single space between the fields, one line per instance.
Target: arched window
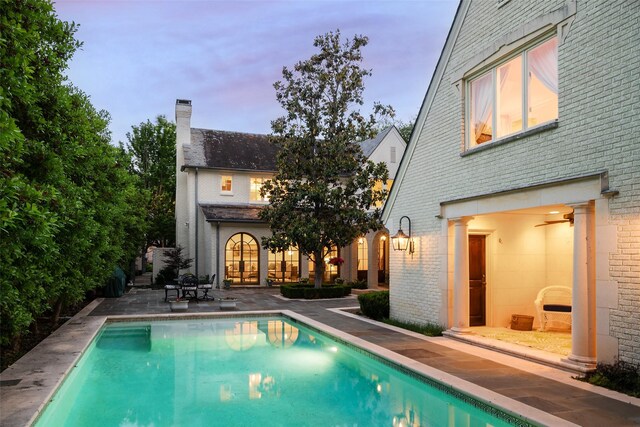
pixel 363 258
pixel 242 259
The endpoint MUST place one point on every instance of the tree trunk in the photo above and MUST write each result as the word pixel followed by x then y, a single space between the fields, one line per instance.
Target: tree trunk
pixel 55 316
pixel 16 343
pixel 319 273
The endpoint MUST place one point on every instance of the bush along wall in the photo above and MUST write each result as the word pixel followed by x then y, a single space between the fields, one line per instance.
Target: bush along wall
pixel 309 292
pixel 375 305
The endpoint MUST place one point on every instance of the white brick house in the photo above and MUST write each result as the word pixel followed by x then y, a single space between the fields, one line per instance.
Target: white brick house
pixel 530 119
pixel 218 180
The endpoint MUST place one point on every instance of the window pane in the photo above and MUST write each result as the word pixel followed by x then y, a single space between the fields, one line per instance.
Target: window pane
pixel 284 266
pixel 509 90
pixel 254 193
pixel 481 110
pixel 330 270
pixel 363 256
pixel 226 183
pixel 543 83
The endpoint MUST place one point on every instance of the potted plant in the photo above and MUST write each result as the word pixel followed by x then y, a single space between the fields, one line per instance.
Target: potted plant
pixel 227 283
pixel 269 281
pixel 228 303
pixel 179 304
pixel 339 281
pixel 304 280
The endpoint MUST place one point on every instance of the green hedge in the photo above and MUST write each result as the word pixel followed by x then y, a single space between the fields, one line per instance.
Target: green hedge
pixel 375 305
pixel 309 292
pixel 358 284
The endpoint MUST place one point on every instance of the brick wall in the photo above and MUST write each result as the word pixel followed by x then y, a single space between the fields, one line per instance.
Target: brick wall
pixel 598 131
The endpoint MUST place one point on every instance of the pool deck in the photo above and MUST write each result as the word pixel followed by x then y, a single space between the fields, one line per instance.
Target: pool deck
pixel 26 385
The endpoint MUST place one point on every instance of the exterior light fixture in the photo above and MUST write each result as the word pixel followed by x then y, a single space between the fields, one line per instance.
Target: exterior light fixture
pixel 401 241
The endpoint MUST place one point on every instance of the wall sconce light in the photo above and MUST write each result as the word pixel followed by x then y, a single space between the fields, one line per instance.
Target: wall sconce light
pixel 401 241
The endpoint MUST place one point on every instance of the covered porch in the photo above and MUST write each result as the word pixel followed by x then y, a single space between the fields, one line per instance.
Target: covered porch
pixel 504 249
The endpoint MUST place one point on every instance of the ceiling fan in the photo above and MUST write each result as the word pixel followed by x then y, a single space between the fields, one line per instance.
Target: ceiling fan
pixel 567 218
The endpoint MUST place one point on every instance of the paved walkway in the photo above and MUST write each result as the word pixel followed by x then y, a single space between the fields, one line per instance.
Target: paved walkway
pixel 541 387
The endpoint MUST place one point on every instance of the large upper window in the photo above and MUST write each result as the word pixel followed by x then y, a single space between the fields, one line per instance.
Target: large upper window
pixel 254 193
pixel 514 96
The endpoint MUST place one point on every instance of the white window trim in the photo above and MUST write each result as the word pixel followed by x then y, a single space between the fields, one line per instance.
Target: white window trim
pixel 525 82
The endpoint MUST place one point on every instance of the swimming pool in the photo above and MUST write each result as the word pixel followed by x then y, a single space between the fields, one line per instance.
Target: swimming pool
pixel 247 371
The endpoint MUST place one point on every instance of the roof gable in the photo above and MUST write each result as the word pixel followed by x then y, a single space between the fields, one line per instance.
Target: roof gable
pixel 368 146
pixel 435 82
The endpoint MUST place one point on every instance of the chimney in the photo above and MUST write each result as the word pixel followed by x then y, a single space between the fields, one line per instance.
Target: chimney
pixel 183 138
pixel 183 121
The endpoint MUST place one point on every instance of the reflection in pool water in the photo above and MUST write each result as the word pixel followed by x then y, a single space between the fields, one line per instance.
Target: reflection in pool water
pixel 243 371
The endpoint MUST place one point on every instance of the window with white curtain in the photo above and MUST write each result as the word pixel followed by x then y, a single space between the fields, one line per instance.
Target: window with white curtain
pixel 518 94
pixel 254 190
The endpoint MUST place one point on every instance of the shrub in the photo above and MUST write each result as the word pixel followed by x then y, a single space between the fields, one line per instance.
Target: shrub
pixel 620 376
pixel 375 305
pixel 358 284
pixel 309 292
pixel 429 329
pixel 166 275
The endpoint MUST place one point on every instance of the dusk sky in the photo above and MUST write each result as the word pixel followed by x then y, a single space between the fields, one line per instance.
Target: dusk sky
pixel 139 56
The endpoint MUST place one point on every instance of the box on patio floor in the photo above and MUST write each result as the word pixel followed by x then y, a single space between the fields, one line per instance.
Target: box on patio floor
pixel 521 322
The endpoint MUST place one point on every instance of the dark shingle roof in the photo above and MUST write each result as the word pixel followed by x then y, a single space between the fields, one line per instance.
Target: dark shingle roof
pixel 217 149
pixel 231 213
pixel 369 145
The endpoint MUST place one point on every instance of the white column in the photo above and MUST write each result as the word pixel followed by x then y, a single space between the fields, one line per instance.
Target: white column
pixel 461 275
pixel 583 311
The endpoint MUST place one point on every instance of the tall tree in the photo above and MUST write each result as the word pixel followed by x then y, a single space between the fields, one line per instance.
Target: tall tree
pixel 404 128
pixel 153 158
pixel 323 190
pixel 66 198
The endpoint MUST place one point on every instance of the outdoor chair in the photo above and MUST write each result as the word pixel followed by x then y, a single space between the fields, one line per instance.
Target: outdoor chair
pixel 189 286
pixel 206 287
pixel 554 306
pixel 172 286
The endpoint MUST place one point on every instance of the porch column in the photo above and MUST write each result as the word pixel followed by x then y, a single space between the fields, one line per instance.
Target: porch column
pixel 583 305
pixel 461 275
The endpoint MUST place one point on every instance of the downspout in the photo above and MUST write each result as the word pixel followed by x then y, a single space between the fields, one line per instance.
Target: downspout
pixel 197 221
pixel 218 255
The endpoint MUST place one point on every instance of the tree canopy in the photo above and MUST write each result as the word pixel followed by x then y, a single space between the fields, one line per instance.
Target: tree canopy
pixel 68 205
pixel 323 191
pixel 152 149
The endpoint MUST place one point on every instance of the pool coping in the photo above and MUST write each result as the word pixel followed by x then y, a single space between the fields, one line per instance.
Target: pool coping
pixel 42 385
pixel 497 350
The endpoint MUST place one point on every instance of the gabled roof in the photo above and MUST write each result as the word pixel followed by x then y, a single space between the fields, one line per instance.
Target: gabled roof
pixel 216 149
pixel 369 145
pixel 231 213
pixel 425 108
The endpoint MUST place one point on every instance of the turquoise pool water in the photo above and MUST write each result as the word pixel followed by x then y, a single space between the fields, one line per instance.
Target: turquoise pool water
pixel 267 371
